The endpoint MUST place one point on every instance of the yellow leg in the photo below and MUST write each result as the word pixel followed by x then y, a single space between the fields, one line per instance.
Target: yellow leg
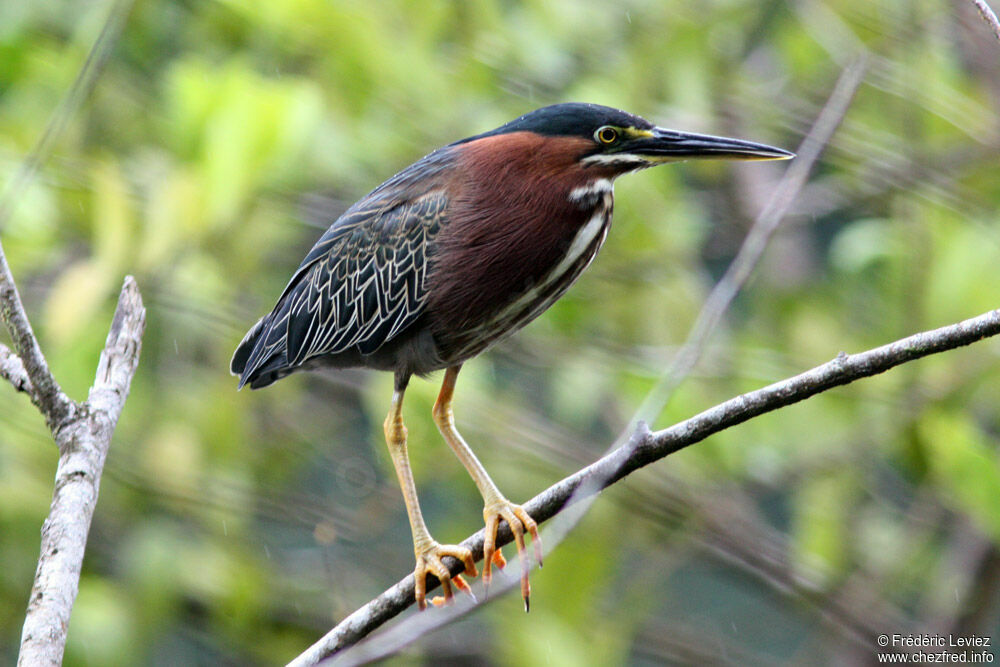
pixel 496 506
pixel 428 552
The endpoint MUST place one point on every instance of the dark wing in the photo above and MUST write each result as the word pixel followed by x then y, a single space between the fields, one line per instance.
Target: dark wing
pixel 360 285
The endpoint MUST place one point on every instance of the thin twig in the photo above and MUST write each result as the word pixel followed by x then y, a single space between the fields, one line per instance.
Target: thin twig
pixel 47 395
pixel 81 431
pixel 989 16
pixel 12 370
pixel 645 447
pixel 753 246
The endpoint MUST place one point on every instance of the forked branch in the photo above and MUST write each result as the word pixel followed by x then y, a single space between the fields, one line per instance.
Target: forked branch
pixel 83 442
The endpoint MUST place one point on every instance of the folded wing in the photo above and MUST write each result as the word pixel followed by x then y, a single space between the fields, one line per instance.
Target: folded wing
pixel 361 285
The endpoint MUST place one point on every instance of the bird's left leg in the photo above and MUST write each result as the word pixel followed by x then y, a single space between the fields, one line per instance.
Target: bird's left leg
pixel 427 551
pixel 496 505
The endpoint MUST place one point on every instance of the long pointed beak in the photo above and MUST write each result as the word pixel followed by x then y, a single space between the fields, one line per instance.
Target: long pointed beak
pixel 663 145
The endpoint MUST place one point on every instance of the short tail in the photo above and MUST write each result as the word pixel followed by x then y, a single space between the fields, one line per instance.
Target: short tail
pixel 253 363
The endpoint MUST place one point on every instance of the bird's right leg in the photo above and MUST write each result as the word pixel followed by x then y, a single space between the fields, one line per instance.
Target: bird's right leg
pixel 495 505
pixel 428 552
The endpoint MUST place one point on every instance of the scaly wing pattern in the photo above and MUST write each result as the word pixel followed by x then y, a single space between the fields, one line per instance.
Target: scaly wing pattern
pixel 361 285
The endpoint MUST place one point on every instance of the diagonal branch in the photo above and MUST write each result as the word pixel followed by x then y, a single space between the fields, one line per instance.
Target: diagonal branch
pixel 989 16
pixel 29 363
pixel 646 447
pixel 46 394
pixel 752 249
pixel 81 431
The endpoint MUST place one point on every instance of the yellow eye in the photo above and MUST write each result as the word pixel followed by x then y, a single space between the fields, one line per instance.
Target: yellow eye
pixel 606 135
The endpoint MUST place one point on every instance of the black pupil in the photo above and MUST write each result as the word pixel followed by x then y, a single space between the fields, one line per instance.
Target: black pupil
pixel 607 135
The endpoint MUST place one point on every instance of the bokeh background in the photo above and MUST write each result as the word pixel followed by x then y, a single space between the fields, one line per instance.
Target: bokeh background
pixel 236 528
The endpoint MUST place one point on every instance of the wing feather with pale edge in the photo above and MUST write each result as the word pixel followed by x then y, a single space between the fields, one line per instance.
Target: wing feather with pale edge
pixel 362 284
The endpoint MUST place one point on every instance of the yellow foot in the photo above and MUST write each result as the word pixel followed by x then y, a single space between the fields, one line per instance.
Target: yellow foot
pixel 519 522
pixel 429 562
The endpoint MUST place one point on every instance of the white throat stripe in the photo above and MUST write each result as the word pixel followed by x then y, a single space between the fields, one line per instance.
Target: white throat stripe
pixel 613 159
pixel 591 191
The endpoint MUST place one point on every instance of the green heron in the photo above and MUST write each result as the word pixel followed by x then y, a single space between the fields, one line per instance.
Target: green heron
pixel 452 254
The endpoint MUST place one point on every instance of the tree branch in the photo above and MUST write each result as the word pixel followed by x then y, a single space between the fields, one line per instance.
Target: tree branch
pixel 12 370
pixel 45 392
pixel 646 447
pixel 83 445
pixel 752 249
pixel 55 406
pixel 81 431
pixel 989 16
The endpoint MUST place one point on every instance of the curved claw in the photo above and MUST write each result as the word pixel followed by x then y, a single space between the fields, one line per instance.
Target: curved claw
pixel 429 562
pixel 460 584
pixel 489 551
pixel 532 527
pixel 519 522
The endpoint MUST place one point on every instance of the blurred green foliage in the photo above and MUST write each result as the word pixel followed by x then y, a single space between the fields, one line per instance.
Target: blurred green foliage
pixel 235 528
